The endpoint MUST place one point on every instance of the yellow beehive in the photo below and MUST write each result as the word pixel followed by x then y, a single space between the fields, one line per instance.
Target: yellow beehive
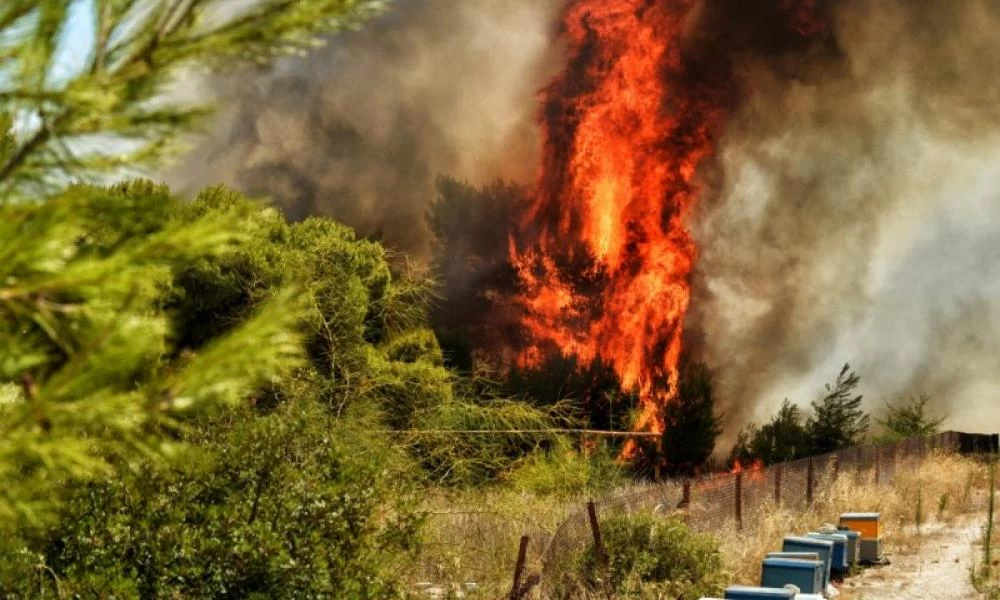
pixel 867 524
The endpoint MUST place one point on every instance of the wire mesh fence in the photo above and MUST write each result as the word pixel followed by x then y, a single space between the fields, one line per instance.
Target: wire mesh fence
pixel 725 500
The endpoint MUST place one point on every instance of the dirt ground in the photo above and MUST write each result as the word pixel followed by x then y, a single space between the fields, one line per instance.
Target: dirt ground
pixel 938 570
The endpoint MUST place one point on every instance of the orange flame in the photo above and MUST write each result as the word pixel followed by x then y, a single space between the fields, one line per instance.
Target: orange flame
pixel 607 271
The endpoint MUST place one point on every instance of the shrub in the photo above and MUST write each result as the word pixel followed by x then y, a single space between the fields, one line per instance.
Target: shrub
pixel 564 471
pixel 290 505
pixel 654 557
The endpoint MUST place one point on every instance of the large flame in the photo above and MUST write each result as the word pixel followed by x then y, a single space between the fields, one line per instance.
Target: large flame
pixel 607 274
pixel 604 255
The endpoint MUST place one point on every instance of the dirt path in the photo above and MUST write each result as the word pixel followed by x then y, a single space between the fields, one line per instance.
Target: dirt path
pixel 939 570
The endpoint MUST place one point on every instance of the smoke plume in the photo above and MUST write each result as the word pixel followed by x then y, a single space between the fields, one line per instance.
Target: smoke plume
pixel 849 212
pixel 853 216
pixel 360 129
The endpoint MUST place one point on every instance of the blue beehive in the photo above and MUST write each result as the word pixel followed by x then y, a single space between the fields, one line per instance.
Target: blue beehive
pixel 853 545
pixel 806 544
pixel 807 575
pixel 839 562
pixel 744 592
pixel 801 555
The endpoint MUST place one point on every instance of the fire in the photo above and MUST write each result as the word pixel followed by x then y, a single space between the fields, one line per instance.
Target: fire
pixel 607 271
pixel 603 253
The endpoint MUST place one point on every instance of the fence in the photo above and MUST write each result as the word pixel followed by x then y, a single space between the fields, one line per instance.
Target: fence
pixel 723 500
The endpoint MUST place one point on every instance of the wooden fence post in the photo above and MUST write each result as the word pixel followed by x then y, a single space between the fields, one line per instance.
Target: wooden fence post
pixel 685 494
pixel 522 554
pixel 739 499
pixel 858 458
pixel 810 477
pixel 595 528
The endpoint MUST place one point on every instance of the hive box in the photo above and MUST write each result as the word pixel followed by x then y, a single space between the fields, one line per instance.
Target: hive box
pixel 839 561
pixel 853 545
pixel 807 575
pixel 743 592
pixel 806 544
pixel 801 555
pixel 868 525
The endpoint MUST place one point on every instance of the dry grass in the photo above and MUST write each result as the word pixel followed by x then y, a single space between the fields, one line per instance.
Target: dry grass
pixel 940 489
pixel 473 536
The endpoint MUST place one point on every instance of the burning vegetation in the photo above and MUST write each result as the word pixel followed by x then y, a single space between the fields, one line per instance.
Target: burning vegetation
pixel 603 253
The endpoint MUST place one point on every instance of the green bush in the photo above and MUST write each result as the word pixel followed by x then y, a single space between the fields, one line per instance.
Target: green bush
pixel 288 505
pixel 651 557
pixel 565 471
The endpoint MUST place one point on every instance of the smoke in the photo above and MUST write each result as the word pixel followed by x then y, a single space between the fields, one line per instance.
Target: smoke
pixel 853 216
pixel 850 213
pixel 360 129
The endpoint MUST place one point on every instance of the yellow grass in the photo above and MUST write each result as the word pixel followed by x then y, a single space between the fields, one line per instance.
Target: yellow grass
pixel 472 537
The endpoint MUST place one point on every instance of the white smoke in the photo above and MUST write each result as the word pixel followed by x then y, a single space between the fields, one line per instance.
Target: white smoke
pixel 858 219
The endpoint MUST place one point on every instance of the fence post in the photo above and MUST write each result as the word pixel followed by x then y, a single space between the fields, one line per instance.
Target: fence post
pixel 836 466
pixel 878 464
pixel 777 484
pixel 858 459
pixel 595 528
pixel 739 499
pixel 810 477
pixel 685 494
pixel 522 553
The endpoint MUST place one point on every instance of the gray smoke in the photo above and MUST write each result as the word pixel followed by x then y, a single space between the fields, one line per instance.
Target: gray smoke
pixel 857 219
pixel 360 129
pixel 852 215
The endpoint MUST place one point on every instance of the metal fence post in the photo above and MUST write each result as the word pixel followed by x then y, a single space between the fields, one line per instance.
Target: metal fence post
pixel 810 477
pixel 777 484
pixel 739 500
pixel 878 464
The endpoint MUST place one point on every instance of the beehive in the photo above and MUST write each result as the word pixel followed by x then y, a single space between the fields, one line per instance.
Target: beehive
pixel 807 575
pixel 801 555
pixel 744 592
pixel 869 526
pixel 839 562
pixel 853 545
pixel 806 544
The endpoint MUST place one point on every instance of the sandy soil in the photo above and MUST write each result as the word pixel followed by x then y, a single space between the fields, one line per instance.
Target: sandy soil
pixel 939 570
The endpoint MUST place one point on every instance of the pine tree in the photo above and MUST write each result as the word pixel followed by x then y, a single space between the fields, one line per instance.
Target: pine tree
pixel 86 379
pixel 838 421
pixel 782 438
pixel 110 114
pixel 691 425
pixel 910 419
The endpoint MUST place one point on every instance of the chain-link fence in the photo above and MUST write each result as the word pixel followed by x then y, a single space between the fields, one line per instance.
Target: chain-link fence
pixel 726 500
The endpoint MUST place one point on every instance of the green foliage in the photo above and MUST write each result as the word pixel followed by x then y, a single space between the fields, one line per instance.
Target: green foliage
pixel 783 438
pixel 908 420
pixel 83 343
pixel 838 421
pixel 473 441
pixel 294 504
pixel 110 114
pixel 565 471
pixel 652 557
pixel 691 424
